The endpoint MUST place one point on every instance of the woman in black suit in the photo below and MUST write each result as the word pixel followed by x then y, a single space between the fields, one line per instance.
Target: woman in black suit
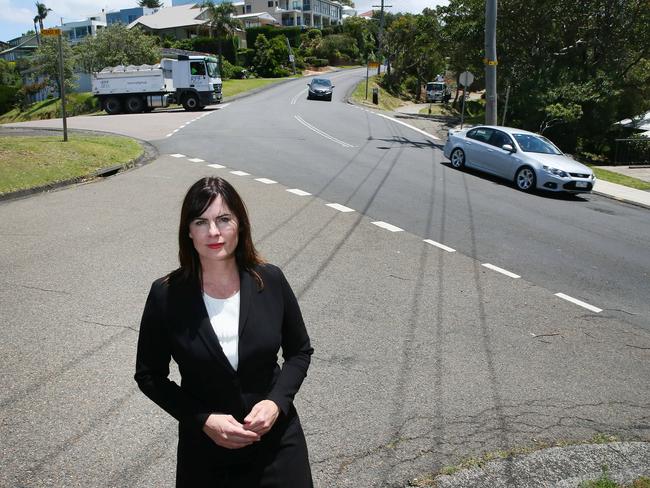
pixel 223 316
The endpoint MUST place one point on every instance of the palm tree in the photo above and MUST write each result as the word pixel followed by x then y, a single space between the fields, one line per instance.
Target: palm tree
pixel 42 11
pixel 221 20
pixel 150 3
pixel 38 39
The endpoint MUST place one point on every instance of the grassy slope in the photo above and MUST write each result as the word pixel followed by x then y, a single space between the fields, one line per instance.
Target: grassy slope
pixel 386 100
pixel 30 161
pixel 76 104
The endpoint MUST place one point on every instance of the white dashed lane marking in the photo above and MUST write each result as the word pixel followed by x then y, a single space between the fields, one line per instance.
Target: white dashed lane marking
pixel 240 173
pixel 197 160
pixel 339 207
pixel 500 270
pixel 178 155
pixel 441 246
pixel 387 226
pixel 298 192
pixel 216 166
pixel 266 181
pixel 579 302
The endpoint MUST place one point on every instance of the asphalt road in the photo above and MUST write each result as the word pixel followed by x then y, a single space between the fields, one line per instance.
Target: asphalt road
pixel 423 356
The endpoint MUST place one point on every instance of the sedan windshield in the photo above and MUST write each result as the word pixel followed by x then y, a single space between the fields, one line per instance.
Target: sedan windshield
pixel 535 144
pixel 321 82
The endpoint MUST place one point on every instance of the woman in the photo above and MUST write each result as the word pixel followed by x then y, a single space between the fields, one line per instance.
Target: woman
pixel 223 316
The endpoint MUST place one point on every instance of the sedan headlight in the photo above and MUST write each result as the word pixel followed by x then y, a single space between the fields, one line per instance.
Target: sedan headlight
pixel 555 171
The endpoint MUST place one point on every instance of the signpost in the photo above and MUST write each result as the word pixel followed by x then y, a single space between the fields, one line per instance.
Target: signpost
pixel 466 79
pixel 373 65
pixel 57 33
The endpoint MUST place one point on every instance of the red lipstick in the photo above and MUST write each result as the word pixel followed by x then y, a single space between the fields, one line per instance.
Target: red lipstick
pixel 217 245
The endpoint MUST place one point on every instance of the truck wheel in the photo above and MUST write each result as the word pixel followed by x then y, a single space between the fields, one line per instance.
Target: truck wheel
pixel 112 105
pixel 191 102
pixel 134 105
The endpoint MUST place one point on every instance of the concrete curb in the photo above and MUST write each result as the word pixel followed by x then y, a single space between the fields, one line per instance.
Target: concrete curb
pixel 149 154
pixel 620 199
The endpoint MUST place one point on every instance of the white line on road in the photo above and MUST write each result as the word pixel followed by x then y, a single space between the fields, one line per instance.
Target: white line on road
pixel 196 160
pixel 169 135
pixel 407 125
pixel 579 302
pixel 441 246
pixel 295 99
pixel 320 132
pixel 266 181
pixel 216 166
pixel 177 155
pixel 500 270
pixel 339 207
pixel 298 192
pixel 240 173
pixel 387 226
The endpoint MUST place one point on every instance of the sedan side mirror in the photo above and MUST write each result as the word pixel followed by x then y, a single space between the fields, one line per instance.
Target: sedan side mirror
pixel 508 147
pixel 333 86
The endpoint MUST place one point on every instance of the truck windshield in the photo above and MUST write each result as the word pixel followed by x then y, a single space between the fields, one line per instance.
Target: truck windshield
pixel 213 69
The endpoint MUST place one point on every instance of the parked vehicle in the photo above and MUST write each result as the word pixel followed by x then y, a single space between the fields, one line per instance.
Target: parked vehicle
pixel 320 88
pixel 193 81
pixel 438 91
pixel 528 159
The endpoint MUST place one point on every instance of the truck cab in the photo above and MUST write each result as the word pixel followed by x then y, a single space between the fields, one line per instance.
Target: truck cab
pixel 196 81
pixel 438 91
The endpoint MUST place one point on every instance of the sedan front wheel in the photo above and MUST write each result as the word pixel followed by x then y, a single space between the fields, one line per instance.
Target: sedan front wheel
pixel 525 179
pixel 457 158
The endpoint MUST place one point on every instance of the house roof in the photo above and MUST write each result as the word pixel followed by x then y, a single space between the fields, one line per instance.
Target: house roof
pixel 369 13
pixel 170 17
pixel 258 15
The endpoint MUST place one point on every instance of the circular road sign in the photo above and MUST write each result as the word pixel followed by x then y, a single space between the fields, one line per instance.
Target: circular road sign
pixel 466 78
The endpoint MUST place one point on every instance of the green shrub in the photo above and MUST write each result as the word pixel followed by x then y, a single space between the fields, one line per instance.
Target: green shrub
pixel 8 97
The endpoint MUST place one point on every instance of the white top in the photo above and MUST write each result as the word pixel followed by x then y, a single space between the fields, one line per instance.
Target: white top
pixel 224 317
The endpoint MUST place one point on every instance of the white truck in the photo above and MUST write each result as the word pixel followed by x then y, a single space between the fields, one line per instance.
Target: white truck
pixel 438 91
pixel 193 81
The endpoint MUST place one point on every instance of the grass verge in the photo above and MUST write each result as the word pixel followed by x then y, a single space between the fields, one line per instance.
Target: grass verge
pixel 443 109
pixel 606 482
pixel 428 480
pixel 32 161
pixel 76 104
pixel 612 177
pixel 386 100
pixel 234 87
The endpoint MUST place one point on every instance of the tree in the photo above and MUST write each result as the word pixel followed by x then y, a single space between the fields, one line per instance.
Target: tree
pixel 221 20
pixel 150 3
pixel 45 62
pixel 41 10
pixel 363 32
pixel 38 38
pixel 115 45
pixel 263 62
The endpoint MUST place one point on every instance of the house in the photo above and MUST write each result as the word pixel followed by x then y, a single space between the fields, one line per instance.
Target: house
pixel 257 20
pixel 128 15
pixel 76 31
pixel 19 47
pixel 306 13
pixel 180 22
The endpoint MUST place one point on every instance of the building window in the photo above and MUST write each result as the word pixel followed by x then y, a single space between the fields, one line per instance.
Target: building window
pixel 269 3
pixel 248 9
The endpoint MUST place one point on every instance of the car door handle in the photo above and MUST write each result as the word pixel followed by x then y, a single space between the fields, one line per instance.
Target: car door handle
pixel 191 86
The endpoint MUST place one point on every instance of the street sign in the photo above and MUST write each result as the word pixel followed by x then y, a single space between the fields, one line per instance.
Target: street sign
pixel 466 78
pixel 51 32
pixel 373 64
pixel 291 58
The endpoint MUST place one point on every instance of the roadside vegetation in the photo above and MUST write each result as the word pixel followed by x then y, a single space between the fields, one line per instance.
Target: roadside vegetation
pixel 387 101
pixel 76 104
pixel 620 179
pixel 33 161
pixel 605 481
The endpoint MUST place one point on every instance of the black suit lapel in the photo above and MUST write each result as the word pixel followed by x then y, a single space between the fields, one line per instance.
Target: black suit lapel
pixel 206 332
pixel 246 286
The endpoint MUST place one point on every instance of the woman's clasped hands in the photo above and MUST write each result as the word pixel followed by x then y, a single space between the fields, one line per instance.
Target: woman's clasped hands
pixel 227 432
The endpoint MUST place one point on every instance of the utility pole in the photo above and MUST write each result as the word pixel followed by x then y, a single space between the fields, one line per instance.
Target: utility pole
pixel 381 31
pixel 490 61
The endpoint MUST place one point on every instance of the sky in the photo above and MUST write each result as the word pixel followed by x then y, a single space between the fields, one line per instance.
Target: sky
pixel 16 16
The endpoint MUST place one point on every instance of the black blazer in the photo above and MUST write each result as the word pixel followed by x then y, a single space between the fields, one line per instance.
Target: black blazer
pixel 175 324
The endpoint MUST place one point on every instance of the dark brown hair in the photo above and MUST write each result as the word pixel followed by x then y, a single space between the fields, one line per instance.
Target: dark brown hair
pixel 198 198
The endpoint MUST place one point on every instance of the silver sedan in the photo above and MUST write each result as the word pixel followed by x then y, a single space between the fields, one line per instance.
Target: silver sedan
pixel 528 159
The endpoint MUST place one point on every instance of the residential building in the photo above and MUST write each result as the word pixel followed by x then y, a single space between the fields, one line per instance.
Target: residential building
pixel 306 13
pixel 19 47
pixel 257 20
pixel 80 29
pixel 180 22
pixel 128 15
